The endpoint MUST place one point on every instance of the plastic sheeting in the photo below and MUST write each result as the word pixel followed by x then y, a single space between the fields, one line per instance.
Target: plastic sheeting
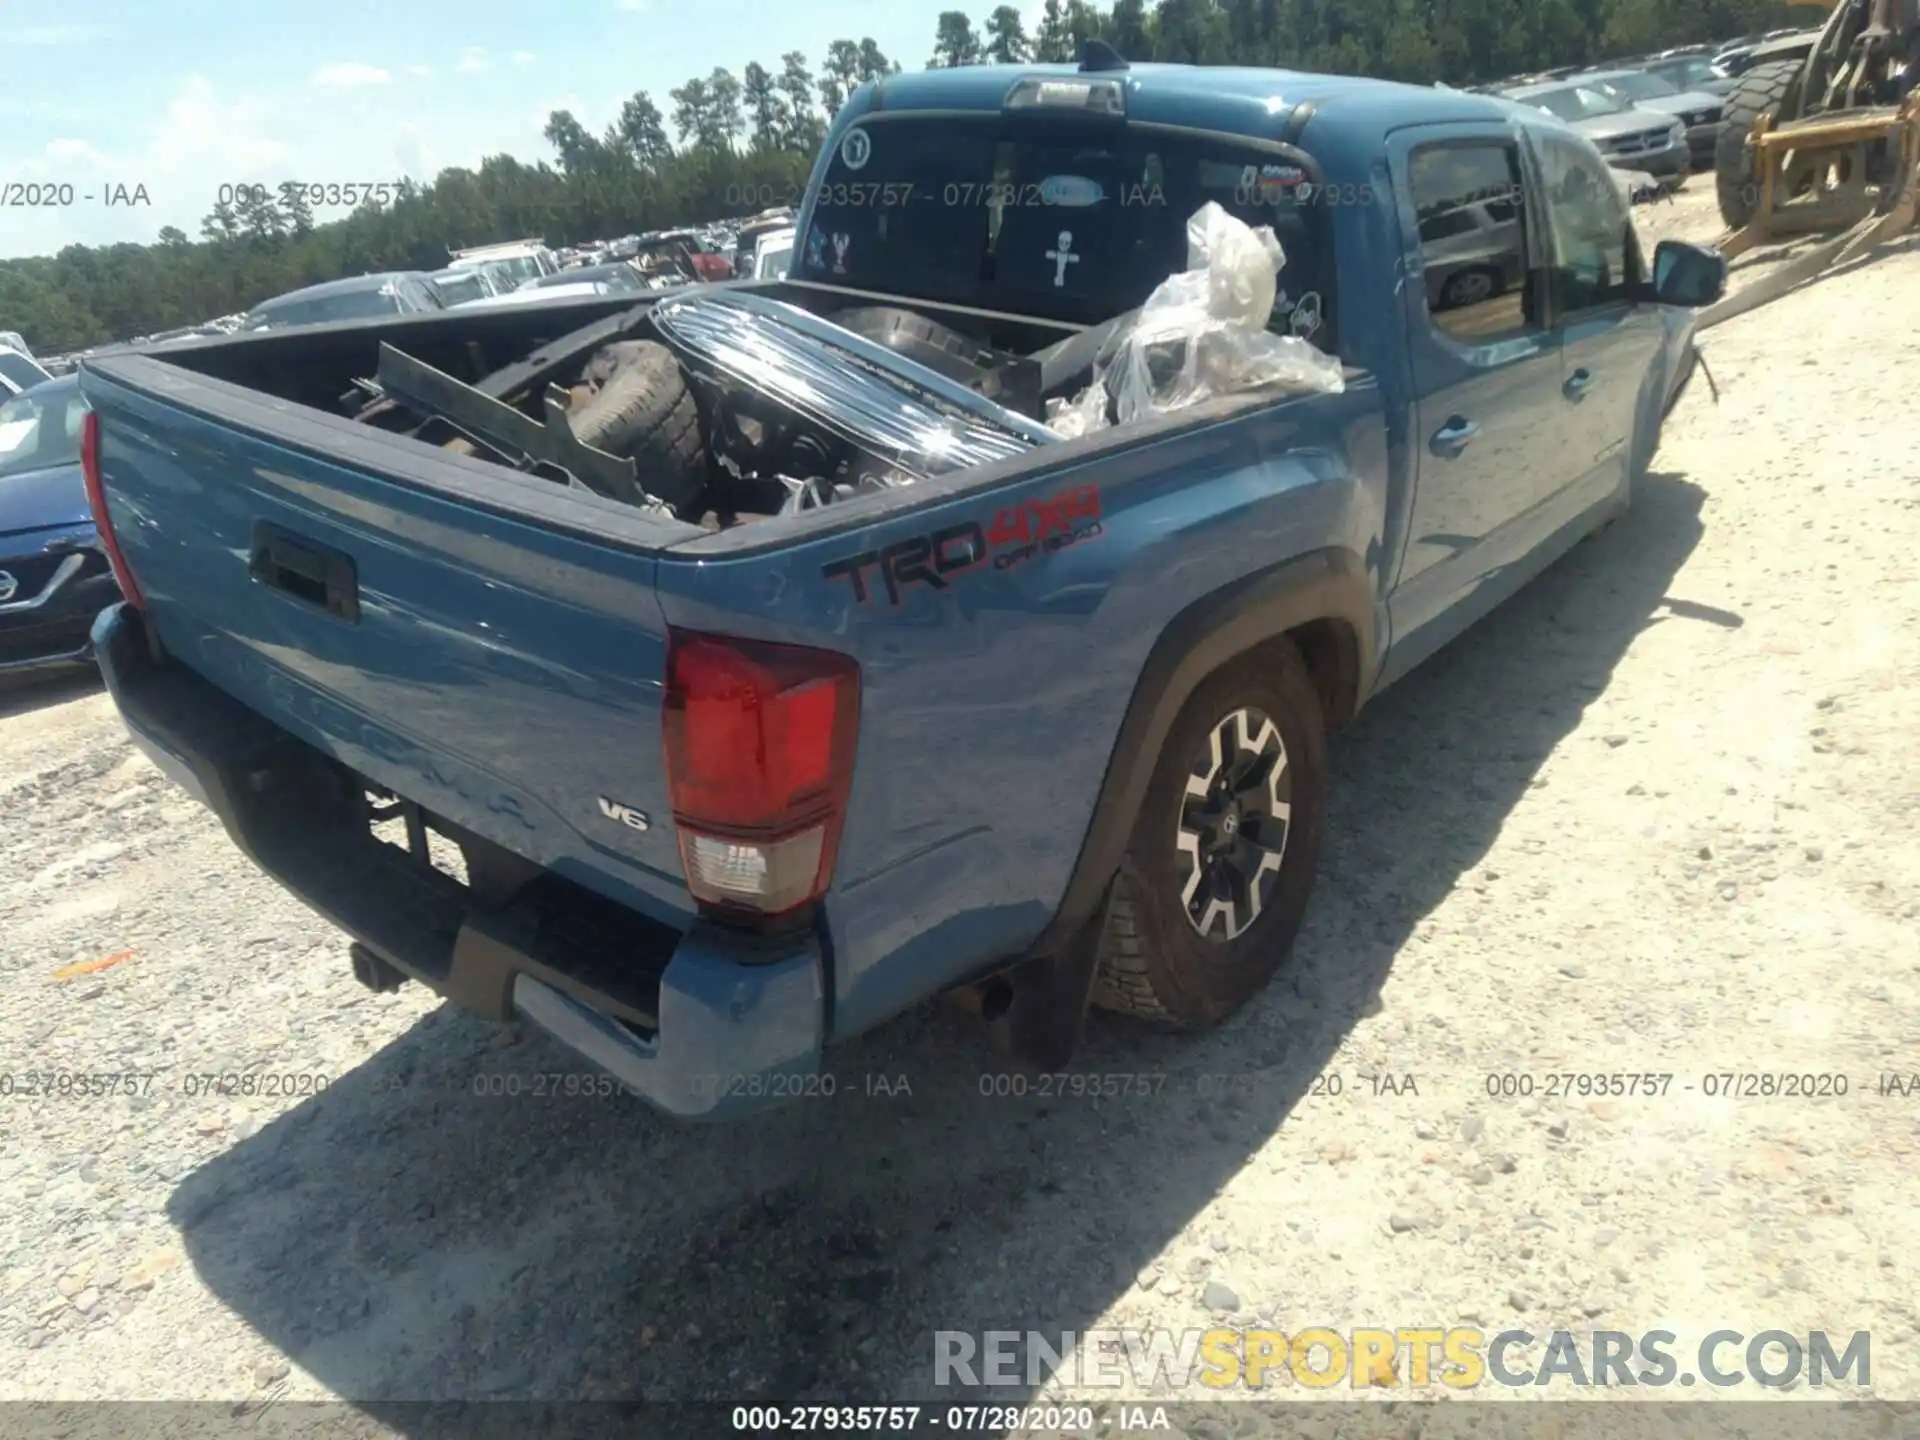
pixel 1203 334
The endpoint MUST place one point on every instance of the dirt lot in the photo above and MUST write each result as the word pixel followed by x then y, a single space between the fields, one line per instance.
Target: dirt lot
pixel 1655 816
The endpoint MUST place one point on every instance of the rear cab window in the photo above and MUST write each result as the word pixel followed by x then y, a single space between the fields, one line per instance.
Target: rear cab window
pixel 1070 221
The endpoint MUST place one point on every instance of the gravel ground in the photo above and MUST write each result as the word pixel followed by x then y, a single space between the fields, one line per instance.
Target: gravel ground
pixel 1656 815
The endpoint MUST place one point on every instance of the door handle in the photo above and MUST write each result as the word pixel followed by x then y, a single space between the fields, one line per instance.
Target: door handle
pixel 1451 438
pixel 1578 383
pixel 316 574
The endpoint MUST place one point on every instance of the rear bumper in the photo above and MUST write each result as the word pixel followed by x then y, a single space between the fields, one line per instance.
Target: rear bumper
pixel 702 1024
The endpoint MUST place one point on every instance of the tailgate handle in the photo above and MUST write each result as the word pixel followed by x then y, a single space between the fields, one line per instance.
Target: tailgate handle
pixel 308 571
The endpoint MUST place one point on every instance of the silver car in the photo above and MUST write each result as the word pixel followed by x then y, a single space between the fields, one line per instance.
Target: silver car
pixel 1632 138
pixel 1698 110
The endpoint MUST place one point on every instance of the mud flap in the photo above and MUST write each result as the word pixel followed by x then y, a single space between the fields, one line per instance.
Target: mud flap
pixel 1041 1025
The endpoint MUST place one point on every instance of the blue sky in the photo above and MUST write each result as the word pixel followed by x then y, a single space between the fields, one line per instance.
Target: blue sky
pixel 181 96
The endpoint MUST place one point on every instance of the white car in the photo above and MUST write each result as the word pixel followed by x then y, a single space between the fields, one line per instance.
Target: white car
pixel 772 253
pixel 19 371
pixel 539 295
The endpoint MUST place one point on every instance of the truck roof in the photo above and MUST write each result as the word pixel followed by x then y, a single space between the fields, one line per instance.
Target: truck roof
pixel 1232 99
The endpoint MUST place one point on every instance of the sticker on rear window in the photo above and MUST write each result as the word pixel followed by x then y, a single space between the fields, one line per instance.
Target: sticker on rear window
pixel 1062 256
pixel 1304 319
pixel 1074 191
pixel 856 149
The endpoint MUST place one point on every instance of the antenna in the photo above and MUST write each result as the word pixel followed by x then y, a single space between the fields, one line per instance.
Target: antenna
pixel 1098 55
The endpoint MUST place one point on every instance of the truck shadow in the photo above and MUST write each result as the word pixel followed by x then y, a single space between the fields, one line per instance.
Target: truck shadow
pixel 430 1229
pixel 22 692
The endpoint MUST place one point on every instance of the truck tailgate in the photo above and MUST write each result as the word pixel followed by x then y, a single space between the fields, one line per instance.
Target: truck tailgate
pixel 501 670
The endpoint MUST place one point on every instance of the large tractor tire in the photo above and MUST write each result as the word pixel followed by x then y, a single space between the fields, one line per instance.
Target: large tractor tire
pixel 1770 88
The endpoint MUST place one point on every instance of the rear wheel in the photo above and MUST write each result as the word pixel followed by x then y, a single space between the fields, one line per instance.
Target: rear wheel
pixel 1222 859
pixel 1766 89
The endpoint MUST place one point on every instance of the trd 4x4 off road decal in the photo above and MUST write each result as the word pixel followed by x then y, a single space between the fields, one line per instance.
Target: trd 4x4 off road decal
pixel 1017 535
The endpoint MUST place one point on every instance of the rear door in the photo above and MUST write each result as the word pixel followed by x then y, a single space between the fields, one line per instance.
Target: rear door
pixel 1608 339
pixel 1485 365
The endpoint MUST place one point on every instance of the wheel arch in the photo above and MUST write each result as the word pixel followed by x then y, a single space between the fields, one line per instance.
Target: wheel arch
pixel 1320 603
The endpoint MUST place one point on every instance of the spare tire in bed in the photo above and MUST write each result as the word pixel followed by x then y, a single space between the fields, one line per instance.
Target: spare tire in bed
pixel 645 411
pixel 941 349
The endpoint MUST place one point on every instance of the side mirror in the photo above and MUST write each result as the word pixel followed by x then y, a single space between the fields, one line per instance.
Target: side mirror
pixel 1689 275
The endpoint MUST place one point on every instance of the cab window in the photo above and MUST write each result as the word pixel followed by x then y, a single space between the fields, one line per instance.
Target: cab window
pixel 1473 239
pixel 1596 257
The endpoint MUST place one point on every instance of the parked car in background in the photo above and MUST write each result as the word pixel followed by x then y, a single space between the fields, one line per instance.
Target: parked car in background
pixel 708 260
pixel 1691 72
pixel 20 371
pixel 616 277
pixel 54 577
pixel 665 254
pixel 362 297
pixel 541 294
pixel 1472 252
pixel 456 287
pixel 1696 109
pixel 1742 55
pixel 772 253
pixel 513 260
pixel 747 241
pixel 1630 137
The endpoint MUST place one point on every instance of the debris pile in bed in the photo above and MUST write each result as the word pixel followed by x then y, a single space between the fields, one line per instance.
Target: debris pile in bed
pixel 1203 333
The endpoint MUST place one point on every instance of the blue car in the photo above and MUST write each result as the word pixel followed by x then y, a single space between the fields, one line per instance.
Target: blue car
pixel 54 578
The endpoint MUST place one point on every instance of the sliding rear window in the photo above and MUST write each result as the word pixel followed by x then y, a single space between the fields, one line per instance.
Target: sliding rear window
pixel 1065 221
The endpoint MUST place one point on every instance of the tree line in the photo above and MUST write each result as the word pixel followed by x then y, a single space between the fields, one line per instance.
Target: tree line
pixel 728 144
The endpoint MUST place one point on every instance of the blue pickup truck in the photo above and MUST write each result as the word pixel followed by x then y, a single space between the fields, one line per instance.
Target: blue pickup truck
pixel 707 680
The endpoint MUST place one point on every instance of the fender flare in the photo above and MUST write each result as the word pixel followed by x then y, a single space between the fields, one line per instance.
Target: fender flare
pixel 1326 584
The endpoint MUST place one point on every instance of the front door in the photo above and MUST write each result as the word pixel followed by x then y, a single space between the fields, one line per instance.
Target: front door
pixel 1608 339
pixel 1485 371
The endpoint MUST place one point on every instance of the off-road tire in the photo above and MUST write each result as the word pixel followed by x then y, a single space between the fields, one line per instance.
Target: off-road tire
pixel 645 411
pixel 1763 90
pixel 938 347
pixel 1154 964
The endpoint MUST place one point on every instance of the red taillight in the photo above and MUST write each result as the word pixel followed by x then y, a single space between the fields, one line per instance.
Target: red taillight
pixel 759 742
pixel 97 502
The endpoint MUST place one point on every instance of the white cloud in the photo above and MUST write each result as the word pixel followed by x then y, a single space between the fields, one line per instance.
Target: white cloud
pixel 69 152
pixel 473 60
pixel 410 151
pixel 215 142
pixel 420 72
pixel 524 57
pixel 55 34
pixel 350 75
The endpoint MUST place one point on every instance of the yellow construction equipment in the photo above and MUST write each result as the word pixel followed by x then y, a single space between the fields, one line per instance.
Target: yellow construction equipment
pixel 1823 138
